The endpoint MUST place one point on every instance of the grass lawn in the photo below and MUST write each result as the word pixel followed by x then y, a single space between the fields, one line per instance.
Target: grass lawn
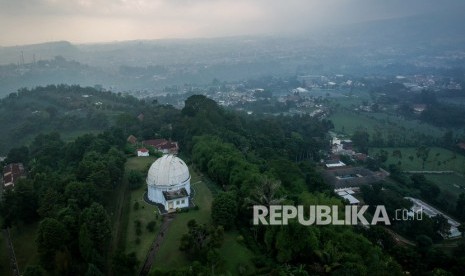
pixel 235 254
pixel 347 122
pixel 232 252
pixel 439 159
pixel 451 185
pixel 145 213
pixel 24 242
pixel 169 255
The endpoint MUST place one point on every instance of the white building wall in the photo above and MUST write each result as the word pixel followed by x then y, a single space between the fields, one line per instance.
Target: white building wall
pixel 177 203
pixel 155 194
pixel 141 153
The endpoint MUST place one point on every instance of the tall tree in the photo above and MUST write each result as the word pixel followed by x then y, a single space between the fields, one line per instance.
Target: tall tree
pixel 266 193
pixel 423 153
pixel 97 223
pixel 224 210
pixel 361 139
pixel 51 237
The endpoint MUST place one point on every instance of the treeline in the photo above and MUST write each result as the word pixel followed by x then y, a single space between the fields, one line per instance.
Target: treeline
pixel 66 192
pixel 295 138
pixel 444 115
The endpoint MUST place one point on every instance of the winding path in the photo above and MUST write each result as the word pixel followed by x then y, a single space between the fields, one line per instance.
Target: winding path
pixel 11 251
pixel 167 219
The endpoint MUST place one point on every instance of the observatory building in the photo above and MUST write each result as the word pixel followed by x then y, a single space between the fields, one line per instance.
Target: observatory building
pixel 168 183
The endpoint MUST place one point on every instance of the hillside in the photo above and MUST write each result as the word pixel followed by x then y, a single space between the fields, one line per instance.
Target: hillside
pixel 71 110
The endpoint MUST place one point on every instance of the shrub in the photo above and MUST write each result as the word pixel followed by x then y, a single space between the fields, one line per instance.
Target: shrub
pixel 151 226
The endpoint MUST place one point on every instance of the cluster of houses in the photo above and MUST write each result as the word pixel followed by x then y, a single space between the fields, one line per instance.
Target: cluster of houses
pixel 340 147
pixel 11 174
pixel 162 145
pixel 347 179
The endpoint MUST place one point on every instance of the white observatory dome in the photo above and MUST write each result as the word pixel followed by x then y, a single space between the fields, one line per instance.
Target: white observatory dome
pixel 168 170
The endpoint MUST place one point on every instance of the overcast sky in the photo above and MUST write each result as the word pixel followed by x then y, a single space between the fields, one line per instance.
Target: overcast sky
pixel 83 21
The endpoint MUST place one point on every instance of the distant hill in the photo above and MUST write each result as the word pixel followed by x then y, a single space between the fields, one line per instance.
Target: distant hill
pixel 40 51
pixel 422 43
pixel 70 110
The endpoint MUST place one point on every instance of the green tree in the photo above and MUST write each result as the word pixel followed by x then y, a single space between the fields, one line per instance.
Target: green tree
pixel 361 139
pixel 460 206
pixel 224 210
pixel 134 179
pixel 93 270
pixel 96 221
pixel 200 239
pixel 441 225
pixel 423 153
pixel 125 264
pixel 49 203
pixel 51 237
pixel 18 155
pixel 266 193
pixel 34 271
pixel 83 193
pixel 424 243
pixel 8 208
pixel 199 103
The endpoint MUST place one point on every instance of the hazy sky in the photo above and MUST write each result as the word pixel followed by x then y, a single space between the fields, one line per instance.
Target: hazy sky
pixel 82 21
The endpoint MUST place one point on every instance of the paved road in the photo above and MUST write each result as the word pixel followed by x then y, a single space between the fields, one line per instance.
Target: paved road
pixel 430 172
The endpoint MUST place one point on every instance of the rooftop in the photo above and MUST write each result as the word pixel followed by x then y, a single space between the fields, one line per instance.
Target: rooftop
pixel 169 195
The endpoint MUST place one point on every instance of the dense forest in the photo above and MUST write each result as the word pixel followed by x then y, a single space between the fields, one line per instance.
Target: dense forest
pixel 252 159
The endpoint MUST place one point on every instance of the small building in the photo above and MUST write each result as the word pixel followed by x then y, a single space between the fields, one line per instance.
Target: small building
pixel 360 157
pixel 351 199
pixel 347 194
pixel 163 145
pixel 422 207
pixel 168 183
pixel 142 152
pixel 169 147
pixel 334 164
pixel 132 139
pixel 12 173
pixel 419 108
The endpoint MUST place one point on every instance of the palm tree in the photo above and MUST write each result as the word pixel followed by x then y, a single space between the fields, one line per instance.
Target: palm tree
pixel 265 193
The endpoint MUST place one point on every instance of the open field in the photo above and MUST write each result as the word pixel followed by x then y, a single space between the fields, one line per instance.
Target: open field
pixel 347 121
pixel 451 185
pixel 144 213
pixel 439 159
pixel 235 254
pixel 169 255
